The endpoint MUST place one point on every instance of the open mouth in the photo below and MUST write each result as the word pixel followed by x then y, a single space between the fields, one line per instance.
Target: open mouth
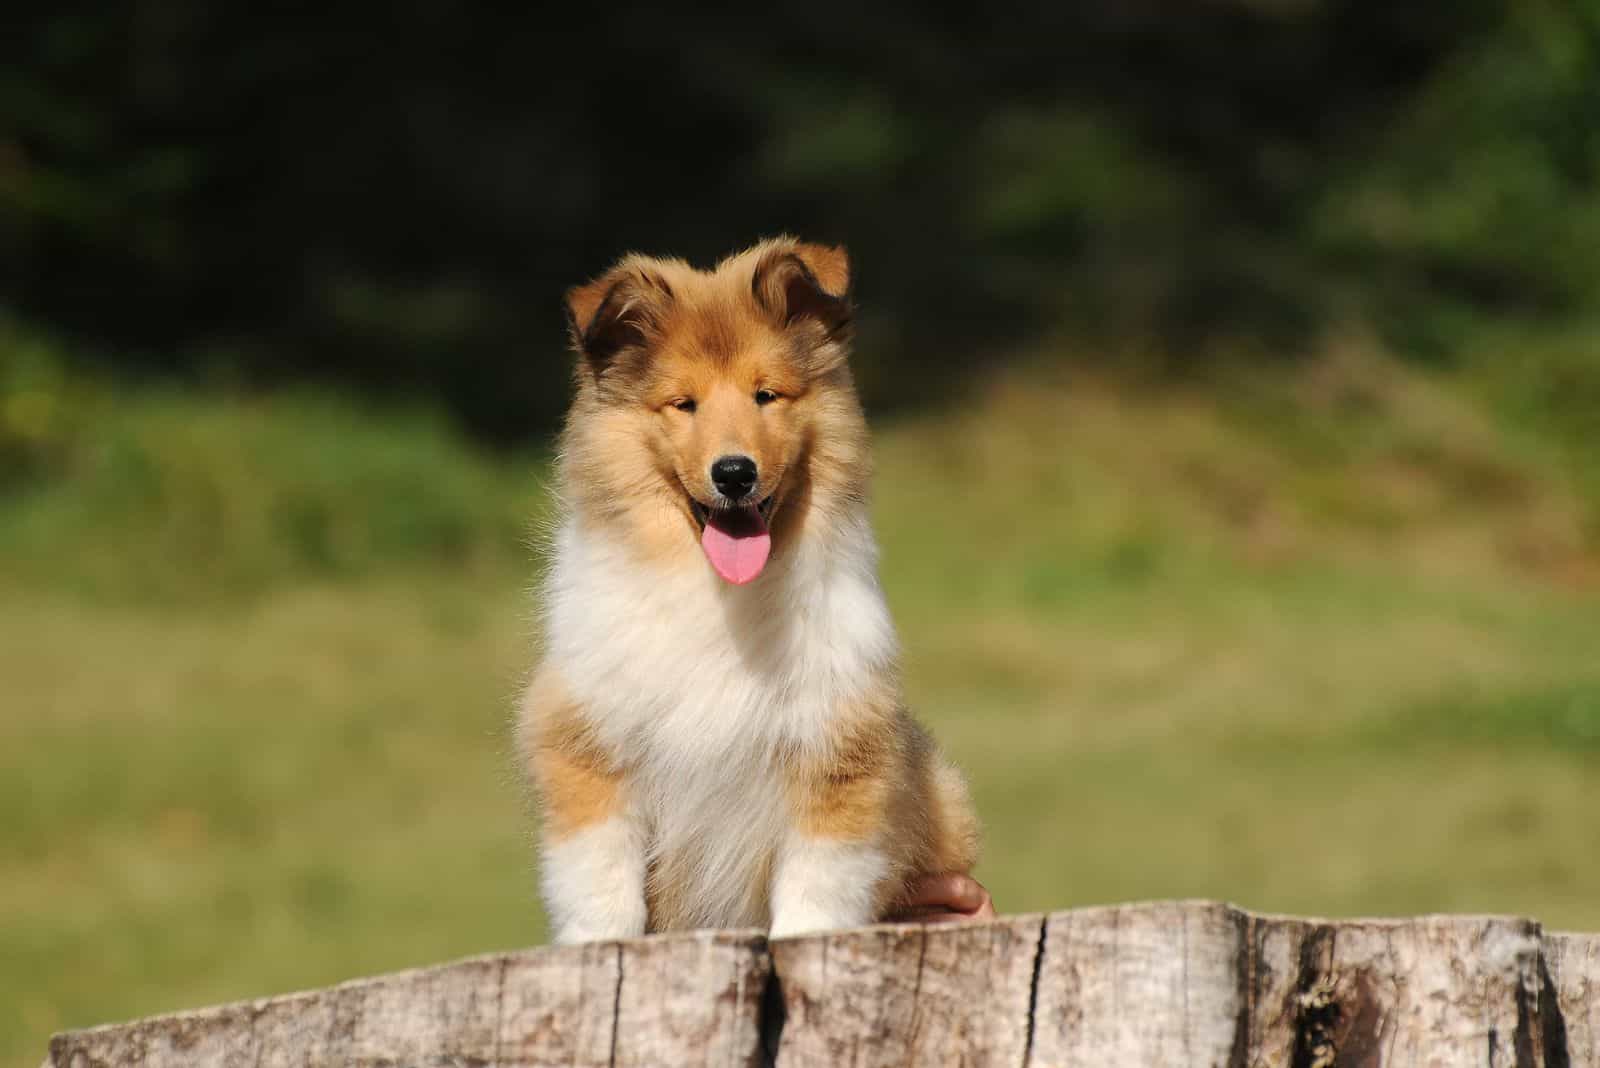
pixel 702 514
pixel 736 539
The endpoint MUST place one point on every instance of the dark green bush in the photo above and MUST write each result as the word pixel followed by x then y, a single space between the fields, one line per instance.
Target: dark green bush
pixel 396 195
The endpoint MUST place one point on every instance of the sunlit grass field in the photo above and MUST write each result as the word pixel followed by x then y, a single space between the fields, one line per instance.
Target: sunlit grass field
pixel 1323 640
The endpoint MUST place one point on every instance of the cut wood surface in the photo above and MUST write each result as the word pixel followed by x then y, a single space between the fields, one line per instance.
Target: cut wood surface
pixel 1187 983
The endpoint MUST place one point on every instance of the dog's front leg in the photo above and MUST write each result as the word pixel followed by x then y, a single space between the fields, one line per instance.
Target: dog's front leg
pixel 593 879
pixel 822 884
pixel 592 856
pixel 832 865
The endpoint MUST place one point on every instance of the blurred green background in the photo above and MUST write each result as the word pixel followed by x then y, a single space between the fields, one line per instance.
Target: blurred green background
pixel 1235 370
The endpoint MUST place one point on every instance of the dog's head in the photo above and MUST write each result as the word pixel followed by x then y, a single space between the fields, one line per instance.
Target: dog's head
pixel 715 408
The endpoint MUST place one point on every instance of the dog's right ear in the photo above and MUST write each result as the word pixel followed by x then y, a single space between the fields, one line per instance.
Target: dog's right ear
pixel 616 311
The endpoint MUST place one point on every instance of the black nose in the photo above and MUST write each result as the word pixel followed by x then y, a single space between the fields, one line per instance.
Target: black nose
pixel 735 476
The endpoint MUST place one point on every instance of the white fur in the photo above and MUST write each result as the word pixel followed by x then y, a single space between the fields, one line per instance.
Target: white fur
pixel 701 689
pixel 594 882
pixel 823 883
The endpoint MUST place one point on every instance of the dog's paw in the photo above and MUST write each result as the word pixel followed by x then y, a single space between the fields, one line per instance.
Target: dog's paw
pixel 572 936
pixel 809 921
pixel 619 924
pixel 603 918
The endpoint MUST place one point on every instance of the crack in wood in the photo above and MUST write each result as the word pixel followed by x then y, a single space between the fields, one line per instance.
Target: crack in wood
pixel 616 1009
pixel 1522 1037
pixel 1033 989
pixel 916 995
pixel 1315 1008
pixel 1553 1025
pixel 1244 967
pixel 771 1017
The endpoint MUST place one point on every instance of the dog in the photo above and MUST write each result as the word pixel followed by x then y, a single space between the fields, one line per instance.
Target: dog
pixel 715 733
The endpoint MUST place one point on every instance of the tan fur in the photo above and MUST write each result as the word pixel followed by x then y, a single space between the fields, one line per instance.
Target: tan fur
pixel 651 332
pixel 577 783
pixel 884 770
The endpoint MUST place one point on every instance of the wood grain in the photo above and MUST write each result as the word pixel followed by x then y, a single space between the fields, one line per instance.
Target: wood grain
pixel 1177 983
pixel 908 995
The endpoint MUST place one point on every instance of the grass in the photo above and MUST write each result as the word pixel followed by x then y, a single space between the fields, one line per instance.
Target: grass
pixel 1320 641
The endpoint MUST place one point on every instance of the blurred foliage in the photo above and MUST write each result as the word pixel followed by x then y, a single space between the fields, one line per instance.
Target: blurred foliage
pixel 1566 718
pixel 154 492
pixel 1481 202
pixel 1548 384
pixel 395 195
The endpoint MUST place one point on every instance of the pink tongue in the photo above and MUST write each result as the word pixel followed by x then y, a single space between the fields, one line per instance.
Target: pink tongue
pixel 737 543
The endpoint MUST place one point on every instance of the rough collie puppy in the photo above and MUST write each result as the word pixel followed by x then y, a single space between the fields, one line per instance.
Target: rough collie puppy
pixel 716 732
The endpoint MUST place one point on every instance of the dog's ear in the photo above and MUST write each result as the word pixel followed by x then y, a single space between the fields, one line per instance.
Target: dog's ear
pixel 618 310
pixel 800 281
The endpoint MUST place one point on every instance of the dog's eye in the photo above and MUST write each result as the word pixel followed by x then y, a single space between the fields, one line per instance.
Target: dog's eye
pixel 765 396
pixel 684 404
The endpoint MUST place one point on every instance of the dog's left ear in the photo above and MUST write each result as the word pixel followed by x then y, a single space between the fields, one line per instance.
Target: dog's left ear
pixel 801 281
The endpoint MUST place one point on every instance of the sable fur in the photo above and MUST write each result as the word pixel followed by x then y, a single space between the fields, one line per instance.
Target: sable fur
pixel 706 754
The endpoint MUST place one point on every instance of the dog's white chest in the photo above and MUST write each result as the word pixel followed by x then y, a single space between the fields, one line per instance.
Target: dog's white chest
pixel 699 688
pixel 677 667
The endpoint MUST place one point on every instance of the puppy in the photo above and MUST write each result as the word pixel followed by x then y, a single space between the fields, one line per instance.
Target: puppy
pixel 716 733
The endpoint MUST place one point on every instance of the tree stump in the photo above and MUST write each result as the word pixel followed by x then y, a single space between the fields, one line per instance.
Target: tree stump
pixel 1187 983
